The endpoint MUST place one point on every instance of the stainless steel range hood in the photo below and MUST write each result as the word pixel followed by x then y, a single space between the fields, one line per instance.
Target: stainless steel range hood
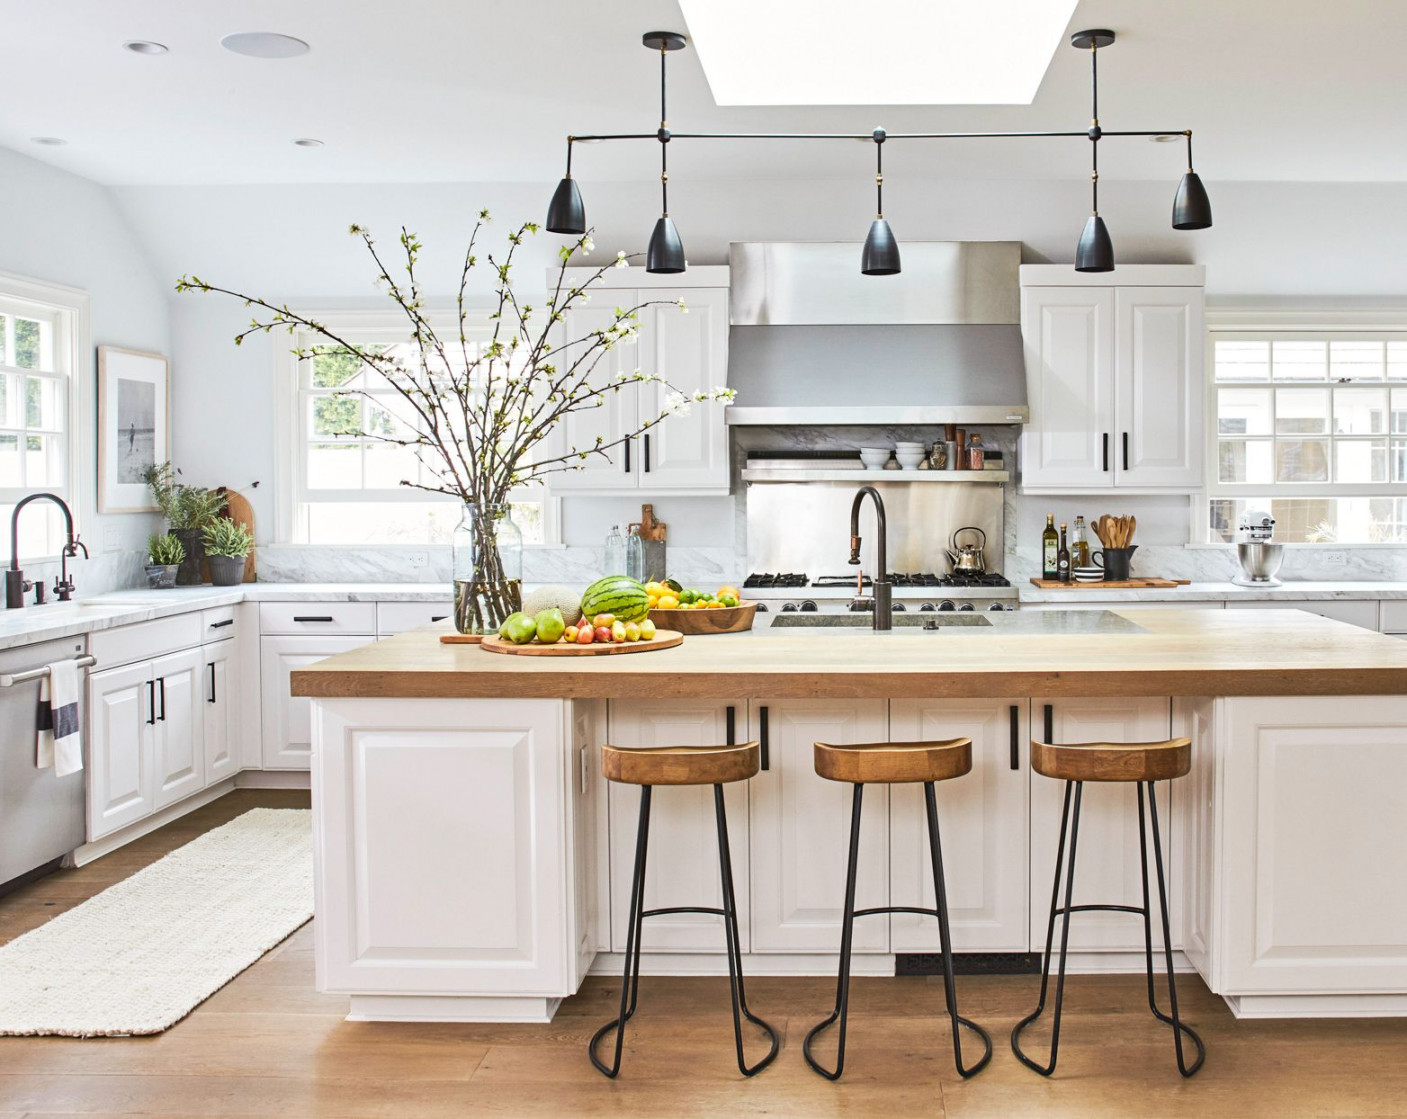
pixel 815 342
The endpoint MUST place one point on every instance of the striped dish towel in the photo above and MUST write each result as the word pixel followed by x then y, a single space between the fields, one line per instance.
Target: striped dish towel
pixel 60 736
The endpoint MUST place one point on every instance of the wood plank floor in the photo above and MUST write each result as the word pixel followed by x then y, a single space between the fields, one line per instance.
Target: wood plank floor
pixel 269 1045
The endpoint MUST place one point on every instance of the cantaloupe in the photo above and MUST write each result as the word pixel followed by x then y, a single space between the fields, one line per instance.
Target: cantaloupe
pixel 563 598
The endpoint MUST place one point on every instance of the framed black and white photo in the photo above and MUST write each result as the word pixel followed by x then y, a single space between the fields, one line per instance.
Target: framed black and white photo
pixel 134 426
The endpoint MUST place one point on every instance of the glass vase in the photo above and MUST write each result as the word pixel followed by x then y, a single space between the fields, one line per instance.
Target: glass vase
pixel 488 568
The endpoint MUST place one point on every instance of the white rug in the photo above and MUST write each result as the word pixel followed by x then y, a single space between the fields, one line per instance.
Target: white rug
pixel 144 953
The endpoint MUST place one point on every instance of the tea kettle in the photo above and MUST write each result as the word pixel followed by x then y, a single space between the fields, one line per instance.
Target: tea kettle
pixel 967 559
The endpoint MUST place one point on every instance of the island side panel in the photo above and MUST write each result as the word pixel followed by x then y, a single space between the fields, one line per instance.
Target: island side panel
pixel 446 842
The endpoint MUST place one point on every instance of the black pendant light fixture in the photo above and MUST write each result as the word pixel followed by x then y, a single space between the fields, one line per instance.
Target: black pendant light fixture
pixel 881 254
pixel 1095 253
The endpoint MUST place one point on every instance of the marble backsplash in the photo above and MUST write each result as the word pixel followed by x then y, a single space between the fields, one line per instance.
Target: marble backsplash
pixel 103 572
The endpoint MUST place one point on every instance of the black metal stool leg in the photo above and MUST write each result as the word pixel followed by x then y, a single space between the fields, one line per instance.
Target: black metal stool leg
pixel 842 989
pixel 735 955
pixel 1174 1020
pixel 630 977
pixel 1073 823
pixel 940 894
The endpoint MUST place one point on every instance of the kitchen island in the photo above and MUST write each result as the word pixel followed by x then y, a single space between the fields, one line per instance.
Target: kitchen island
pixel 472 865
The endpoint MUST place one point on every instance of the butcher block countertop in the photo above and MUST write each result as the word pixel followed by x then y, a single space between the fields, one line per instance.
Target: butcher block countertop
pixel 1032 654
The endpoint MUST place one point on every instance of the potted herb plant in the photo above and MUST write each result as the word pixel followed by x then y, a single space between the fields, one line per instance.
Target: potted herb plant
pixel 164 556
pixel 188 510
pixel 227 543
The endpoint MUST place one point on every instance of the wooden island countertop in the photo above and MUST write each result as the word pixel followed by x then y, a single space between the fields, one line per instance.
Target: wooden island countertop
pixel 1162 652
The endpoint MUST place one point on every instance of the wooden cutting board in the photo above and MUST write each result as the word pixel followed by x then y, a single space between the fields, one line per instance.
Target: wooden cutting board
pixel 238 509
pixel 461 638
pixel 663 639
pixel 1122 585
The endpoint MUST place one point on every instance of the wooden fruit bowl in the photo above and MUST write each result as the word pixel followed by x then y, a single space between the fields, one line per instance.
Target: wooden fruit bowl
pixel 725 619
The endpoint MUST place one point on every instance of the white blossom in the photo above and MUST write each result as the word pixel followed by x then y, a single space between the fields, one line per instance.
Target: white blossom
pixel 621 260
pixel 682 307
pixel 677 404
pixel 587 244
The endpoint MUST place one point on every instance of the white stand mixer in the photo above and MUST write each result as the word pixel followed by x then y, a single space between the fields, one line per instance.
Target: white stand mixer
pixel 1260 559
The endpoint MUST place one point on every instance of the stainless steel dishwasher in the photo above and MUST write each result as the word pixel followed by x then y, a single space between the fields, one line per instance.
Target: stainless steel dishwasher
pixel 41 816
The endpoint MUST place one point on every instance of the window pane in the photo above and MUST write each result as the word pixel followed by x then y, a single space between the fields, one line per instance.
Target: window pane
pixel 41 532
pixel 1302 412
pixel 388 522
pixel 44 461
pixel 11 414
pixel 1301 460
pixel 10 460
pixel 1360 460
pixel 1245 460
pixel 1242 361
pixel 1356 361
pixel 336 466
pixel 388 465
pixel 338 368
pixel 31 344
pixel 1399 411
pixel 1360 411
pixel 1300 361
pixel 334 415
pixel 43 404
pixel 1243 411
pixel 1397 361
pixel 4 332
pixel 1399 460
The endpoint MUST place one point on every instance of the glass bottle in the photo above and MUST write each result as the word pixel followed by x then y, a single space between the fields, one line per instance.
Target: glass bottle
pixel 488 568
pixel 1050 546
pixel 976 454
pixel 634 554
pixel 1062 557
pixel 613 563
pixel 1079 544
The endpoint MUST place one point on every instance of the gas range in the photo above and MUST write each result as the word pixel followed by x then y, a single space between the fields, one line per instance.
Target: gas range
pixel 923 592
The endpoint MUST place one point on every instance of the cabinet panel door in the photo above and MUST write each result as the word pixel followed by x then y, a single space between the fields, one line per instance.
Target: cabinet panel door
pixel 682 855
pixel 690 351
pixel 1069 342
pixel 222 698
pixel 616 416
pixel 1106 869
pixel 1160 386
pixel 120 783
pixel 982 824
pixel 180 750
pixel 286 718
pixel 801 829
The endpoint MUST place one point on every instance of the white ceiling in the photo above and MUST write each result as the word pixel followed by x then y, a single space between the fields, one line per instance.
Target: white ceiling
pixel 486 91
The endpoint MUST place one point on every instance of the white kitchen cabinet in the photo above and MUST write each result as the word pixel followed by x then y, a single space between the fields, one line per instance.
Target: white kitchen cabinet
pixel 681 866
pixel 616 468
pixel 178 748
pixel 1107 863
pixel 288 736
pixel 222 697
pixel 1115 378
pixel 120 721
pixel 800 831
pixel 982 822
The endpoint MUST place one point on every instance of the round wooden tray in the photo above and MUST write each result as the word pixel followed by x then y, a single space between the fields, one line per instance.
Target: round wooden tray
pixel 663 639
pixel 725 619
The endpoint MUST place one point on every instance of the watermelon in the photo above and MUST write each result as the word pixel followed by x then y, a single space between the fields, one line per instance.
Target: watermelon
pixel 619 595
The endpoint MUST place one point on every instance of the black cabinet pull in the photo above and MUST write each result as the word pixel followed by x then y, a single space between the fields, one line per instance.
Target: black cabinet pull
pixel 766 750
pixel 1126 450
pixel 647 453
pixel 312 617
pixel 151 703
pixel 627 456
pixel 162 681
pixel 1049 724
pixel 211 666
pixel 218 625
pixel 1015 737
pixel 732 726
pixel 1105 437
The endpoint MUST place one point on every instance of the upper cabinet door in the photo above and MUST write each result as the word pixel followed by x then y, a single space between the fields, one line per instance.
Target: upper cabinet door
pixel 1069 342
pixel 689 349
pixel 617 468
pixel 1161 388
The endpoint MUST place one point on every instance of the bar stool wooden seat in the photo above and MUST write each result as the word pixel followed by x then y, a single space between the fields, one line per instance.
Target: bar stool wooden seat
pixel 885 763
pixel 1144 763
pixel 682 765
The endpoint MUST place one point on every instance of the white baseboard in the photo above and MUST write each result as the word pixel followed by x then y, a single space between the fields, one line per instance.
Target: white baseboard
pixel 273 779
pixel 1317 1006
pixel 876 963
pixel 109 843
pixel 451 1008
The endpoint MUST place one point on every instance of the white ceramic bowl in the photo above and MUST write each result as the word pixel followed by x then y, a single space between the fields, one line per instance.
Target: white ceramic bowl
pixel 909 460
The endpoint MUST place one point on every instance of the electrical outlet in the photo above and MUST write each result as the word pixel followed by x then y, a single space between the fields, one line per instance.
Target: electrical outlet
pixel 417 559
pixel 112 538
pixel 1336 559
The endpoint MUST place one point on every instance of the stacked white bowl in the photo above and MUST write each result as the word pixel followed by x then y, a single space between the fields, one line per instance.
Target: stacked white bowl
pixel 874 458
pixel 910 454
pixel 1088 574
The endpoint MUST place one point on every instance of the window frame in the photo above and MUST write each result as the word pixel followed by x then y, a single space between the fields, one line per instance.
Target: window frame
pixel 292 494
pixel 1271 325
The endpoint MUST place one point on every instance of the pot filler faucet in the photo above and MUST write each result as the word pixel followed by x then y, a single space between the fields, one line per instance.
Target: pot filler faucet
pixel 15 583
pixel 882 590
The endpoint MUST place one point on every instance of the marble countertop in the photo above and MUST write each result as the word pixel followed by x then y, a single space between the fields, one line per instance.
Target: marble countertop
pixel 1221 592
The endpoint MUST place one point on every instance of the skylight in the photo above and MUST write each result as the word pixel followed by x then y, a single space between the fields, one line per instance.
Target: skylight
pixel 876 52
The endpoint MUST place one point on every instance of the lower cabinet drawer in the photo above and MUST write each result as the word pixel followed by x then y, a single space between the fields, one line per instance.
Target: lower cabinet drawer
pixel 144 640
pixel 397 617
pixel 297 618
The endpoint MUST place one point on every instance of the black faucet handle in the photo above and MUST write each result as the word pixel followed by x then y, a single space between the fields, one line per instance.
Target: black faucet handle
pixel 74 545
pixel 63 588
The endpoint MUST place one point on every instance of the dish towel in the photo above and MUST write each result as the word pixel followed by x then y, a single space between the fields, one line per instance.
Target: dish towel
pixel 60 736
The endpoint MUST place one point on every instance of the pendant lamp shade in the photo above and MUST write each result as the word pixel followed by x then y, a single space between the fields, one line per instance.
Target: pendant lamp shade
pixel 881 254
pixel 566 214
pixel 1096 251
pixel 666 253
pixel 1192 209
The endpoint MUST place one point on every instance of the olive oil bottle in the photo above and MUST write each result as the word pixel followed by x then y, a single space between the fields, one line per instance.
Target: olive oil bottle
pixel 1050 547
pixel 1062 558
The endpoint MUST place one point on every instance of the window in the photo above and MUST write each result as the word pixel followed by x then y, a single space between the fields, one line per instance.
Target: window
pixel 34 419
pixel 1312 428
pixel 347 483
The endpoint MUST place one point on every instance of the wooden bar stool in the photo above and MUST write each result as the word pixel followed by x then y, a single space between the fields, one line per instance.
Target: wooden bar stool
pixel 682 765
pixel 1144 762
pixel 889 763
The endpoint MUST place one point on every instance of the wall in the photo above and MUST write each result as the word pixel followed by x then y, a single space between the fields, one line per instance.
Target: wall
pixel 66 230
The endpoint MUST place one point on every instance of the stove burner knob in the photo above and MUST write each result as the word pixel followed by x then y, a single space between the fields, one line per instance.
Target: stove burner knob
pixel 930 623
pixel 996 608
pixel 966 607
pixel 946 606
pixel 788 608
pixel 809 607
pixel 927 608
pixel 897 608
pixel 763 608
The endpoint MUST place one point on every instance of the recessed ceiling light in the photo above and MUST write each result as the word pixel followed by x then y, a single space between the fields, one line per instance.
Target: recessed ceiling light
pixel 307 142
pixel 837 52
pixel 144 46
pixel 264 44
pixel 48 141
